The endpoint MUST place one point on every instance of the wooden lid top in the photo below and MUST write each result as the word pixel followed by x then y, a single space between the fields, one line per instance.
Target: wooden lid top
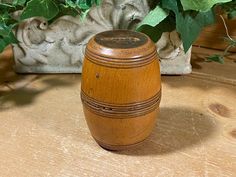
pixel 121 48
pixel 120 39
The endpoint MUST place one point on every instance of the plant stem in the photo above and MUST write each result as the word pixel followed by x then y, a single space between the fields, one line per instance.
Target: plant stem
pixel 226 50
pixel 226 29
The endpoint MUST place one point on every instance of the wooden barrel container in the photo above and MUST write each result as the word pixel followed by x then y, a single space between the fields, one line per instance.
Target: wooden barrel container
pixel 121 88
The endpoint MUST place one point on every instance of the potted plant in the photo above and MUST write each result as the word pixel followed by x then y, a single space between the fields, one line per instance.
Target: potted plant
pixel 50 35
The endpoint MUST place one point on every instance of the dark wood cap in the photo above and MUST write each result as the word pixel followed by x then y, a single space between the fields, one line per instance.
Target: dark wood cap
pixel 121 48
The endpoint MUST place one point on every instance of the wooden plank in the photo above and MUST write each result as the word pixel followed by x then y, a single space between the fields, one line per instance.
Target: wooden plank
pixel 224 73
pixel 43 131
pixel 213 36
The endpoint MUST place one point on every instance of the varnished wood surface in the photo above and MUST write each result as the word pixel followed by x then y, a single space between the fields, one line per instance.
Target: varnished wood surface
pixel 120 88
pixel 43 130
pixel 213 36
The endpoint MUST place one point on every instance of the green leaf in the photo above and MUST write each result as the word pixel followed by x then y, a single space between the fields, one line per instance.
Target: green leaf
pixel 98 2
pixel 190 23
pixel 49 9
pixel 4 42
pixel 232 14
pixel 84 14
pixel 230 41
pixel 5 30
pixel 4 18
pixel 229 9
pixel 216 58
pixel 87 4
pixel 67 10
pixel 19 2
pixel 170 5
pixel 70 3
pixel 201 5
pixel 154 17
pixel 6 36
pixel 84 4
pixel 4 5
pixel 41 8
pixel 155 33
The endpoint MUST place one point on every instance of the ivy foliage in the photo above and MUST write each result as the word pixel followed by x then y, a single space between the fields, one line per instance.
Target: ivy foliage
pixel 201 5
pixel 188 17
pixel 229 9
pixel 49 9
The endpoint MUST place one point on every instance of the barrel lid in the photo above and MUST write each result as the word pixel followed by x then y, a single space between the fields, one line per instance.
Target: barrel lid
pixel 120 48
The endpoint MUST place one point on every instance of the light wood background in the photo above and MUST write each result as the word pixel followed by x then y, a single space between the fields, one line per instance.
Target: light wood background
pixel 43 130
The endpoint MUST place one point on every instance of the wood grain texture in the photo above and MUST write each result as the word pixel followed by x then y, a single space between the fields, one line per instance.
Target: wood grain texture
pixel 213 36
pixel 111 110
pixel 43 131
pixel 120 88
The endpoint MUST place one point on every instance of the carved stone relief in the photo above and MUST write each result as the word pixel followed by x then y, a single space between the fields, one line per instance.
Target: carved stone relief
pixel 59 47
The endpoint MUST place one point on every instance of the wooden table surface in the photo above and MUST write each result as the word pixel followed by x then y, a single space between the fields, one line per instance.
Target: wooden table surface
pixel 43 131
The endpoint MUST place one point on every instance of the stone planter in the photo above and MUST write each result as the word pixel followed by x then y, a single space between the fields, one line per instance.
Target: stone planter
pixel 59 47
pixel 173 59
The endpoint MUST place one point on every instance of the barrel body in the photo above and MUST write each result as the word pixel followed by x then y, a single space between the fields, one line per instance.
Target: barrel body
pixel 121 88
